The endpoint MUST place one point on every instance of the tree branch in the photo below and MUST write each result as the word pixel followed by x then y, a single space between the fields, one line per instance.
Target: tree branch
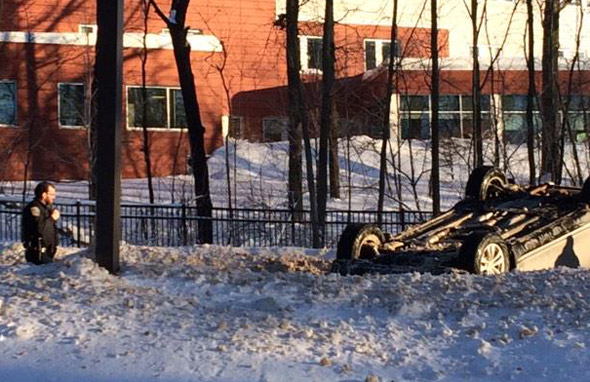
pixel 159 12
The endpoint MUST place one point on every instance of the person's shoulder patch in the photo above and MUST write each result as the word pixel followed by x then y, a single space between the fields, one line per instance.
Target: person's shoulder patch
pixel 35 211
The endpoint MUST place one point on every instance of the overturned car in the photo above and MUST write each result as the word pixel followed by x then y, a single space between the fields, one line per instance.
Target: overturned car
pixel 498 226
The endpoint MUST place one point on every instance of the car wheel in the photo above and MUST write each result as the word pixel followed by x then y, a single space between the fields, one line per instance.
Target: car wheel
pixel 485 254
pixel 359 241
pixel 484 183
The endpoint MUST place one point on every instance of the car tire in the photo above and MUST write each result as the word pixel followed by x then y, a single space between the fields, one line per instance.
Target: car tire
pixel 484 183
pixel 359 241
pixel 485 254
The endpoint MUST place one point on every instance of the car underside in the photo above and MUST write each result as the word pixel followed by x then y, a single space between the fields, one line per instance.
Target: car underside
pixel 499 226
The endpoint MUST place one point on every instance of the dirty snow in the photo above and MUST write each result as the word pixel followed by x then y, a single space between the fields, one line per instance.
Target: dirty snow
pixel 229 314
pixel 205 314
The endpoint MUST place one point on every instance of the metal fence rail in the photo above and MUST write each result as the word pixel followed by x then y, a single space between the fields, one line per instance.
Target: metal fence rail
pixel 176 225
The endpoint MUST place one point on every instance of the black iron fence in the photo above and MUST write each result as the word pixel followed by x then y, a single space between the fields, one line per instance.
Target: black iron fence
pixel 176 225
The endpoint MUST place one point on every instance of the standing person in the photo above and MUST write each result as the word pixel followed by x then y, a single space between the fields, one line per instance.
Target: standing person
pixel 39 230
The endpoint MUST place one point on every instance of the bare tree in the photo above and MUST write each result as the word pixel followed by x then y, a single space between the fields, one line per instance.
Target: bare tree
pixel 532 92
pixel 566 101
pixel 144 103
pixel 551 155
pixel 391 67
pixel 333 164
pixel 435 175
pixel 298 115
pixel 196 131
pixel 295 110
pixel 326 119
pixel 476 88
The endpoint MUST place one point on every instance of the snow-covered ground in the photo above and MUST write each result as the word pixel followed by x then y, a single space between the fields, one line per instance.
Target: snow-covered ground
pixel 259 173
pixel 219 314
pixel 234 315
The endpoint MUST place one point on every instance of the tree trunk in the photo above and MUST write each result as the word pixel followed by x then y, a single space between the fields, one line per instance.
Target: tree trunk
pixel 144 102
pixel 476 92
pixel 435 177
pixel 196 131
pixel 551 155
pixel 333 154
pixel 387 114
pixel 296 91
pixel 532 92
pixel 327 84
pixel 295 148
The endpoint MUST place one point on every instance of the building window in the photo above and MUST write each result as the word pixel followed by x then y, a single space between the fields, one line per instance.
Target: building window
pixel 579 116
pixel 275 129
pixel 71 105
pixel 415 117
pixel 514 117
pixel 8 103
pixel 177 112
pixel 311 53
pixel 377 52
pixel 456 116
pixel 235 127
pixel 163 108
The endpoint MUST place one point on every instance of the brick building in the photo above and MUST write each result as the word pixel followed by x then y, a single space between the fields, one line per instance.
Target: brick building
pixel 238 57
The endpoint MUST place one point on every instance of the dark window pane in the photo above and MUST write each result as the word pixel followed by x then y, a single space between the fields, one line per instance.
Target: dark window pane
pixel 71 105
pixel 579 103
pixel 274 129
pixel 397 48
pixel 177 112
pixel 415 126
pixel 155 107
pixel 516 103
pixel 314 53
pixel 235 127
pixel 486 104
pixel 370 60
pixel 449 125
pixel 415 103
pixel 385 51
pixel 515 128
pixel 7 103
pixel 449 103
pixel 467 102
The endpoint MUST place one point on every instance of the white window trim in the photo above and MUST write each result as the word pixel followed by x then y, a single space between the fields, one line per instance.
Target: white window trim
pixel 15 104
pixel 303 56
pixel 379 59
pixel 226 124
pixel 168 111
pixel 59 107
pixel 461 112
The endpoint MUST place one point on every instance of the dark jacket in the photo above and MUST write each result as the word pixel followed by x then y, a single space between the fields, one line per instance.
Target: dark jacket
pixel 39 234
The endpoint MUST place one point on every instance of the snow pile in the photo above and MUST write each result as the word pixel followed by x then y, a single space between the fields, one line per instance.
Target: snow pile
pixel 222 314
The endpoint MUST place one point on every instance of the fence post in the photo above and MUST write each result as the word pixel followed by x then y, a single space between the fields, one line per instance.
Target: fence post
pixel 402 219
pixel 78 222
pixel 184 233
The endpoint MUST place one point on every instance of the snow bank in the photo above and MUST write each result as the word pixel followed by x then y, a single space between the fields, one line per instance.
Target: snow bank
pixel 221 314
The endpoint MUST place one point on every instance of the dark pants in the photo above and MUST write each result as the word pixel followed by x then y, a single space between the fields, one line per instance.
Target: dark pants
pixel 34 256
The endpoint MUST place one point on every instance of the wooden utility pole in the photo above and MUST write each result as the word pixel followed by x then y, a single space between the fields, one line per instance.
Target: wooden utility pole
pixel 109 79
